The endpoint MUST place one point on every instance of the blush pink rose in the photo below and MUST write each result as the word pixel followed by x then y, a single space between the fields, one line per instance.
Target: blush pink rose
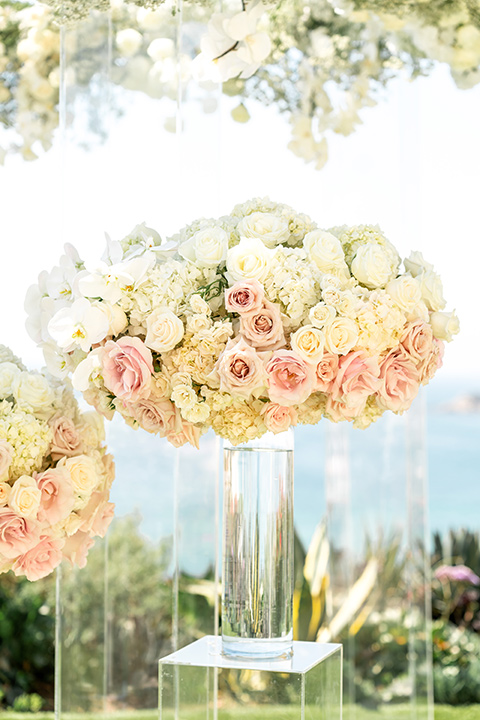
pixel 290 379
pixel 244 297
pixel 428 367
pixel 278 418
pixel 97 514
pixel 41 560
pixel 337 411
pixel 358 376
pixel 155 416
pixel 66 438
pixel 240 370
pixel 76 548
pixel 6 456
pixel 188 433
pixel 58 498
pixel 417 339
pixel 127 368
pixel 263 328
pixel 400 380
pixel 17 534
pixel 109 469
pixel 326 372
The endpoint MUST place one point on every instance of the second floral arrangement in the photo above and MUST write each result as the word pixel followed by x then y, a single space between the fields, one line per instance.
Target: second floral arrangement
pixel 245 324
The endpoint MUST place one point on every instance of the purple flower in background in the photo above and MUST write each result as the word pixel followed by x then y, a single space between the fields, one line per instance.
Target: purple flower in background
pixel 457 573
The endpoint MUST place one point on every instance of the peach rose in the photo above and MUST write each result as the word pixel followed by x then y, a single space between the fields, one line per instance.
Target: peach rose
pixel 66 438
pixel 357 378
pixel 326 372
pixel 6 456
pixel 337 411
pixel 189 433
pixel 240 369
pixel 41 560
pixel 400 380
pixel 97 515
pixel 127 368
pixel 76 548
pixel 109 469
pixel 278 418
pixel 263 328
pixel 432 363
pixel 57 499
pixel 290 379
pixel 245 296
pixel 417 339
pixel 154 416
pixel 17 534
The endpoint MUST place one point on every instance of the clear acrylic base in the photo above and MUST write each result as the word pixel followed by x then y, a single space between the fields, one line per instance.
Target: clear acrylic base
pixel 200 681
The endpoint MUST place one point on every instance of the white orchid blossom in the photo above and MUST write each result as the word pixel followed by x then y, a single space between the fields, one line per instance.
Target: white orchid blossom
pixel 79 325
pixel 109 282
pixel 86 371
pixel 233 47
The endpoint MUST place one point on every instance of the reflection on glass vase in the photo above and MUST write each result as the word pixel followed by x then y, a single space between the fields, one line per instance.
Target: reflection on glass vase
pixel 257 600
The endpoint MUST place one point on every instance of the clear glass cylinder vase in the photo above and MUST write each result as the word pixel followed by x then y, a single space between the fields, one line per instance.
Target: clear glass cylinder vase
pixel 258 546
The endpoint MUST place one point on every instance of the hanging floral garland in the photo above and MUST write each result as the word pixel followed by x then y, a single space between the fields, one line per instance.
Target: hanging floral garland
pixel 320 62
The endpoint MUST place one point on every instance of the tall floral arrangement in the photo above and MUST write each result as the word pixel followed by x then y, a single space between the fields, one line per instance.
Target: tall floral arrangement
pixel 246 323
pixel 55 475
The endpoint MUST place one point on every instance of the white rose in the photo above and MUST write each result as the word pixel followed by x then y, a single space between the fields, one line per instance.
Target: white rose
pixel 83 473
pixel 348 304
pixel 325 250
pixel 405 291
pixel 432 290
pixel 331 296
pixel 419 311
pixel 341 335
pixel 416 264
pixel 116 317
pixel 375 265
pixel 199 413
pixel 444 325
pixel 249 260
pixel 184 396
pixel 206 248
pixel 34 390
pixel 128 41
pixel 309 343
pixel 164 330
pixel 270 229
pixel 196 323
pixel 321 314
pixel 8 373
pixel 199 306
pixel 25 497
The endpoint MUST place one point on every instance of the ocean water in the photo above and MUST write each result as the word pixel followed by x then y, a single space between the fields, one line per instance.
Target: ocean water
pixel 374 493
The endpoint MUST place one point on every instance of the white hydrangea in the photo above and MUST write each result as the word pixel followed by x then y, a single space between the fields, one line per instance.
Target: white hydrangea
pixel 294 283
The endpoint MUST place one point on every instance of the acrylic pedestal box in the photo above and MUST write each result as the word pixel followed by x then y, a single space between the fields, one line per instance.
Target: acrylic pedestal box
pixel 200 683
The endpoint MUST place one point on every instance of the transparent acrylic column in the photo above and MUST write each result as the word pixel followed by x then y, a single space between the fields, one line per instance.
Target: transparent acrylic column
pixel 258 547
pixel 153 584
pixel 376 504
